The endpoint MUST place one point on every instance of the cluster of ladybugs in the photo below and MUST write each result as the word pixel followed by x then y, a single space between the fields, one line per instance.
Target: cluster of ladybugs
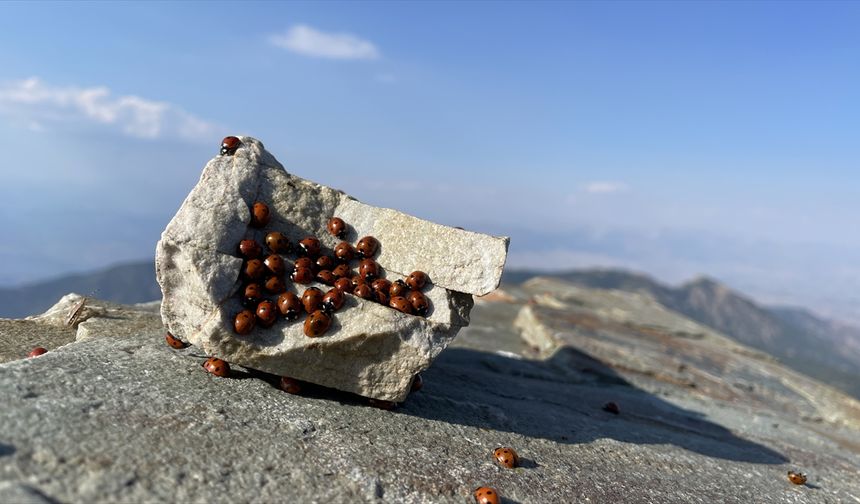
pixel 265 276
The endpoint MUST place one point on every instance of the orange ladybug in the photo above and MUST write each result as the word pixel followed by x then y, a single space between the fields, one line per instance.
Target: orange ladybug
pixel 289 305
pixel 244 323
pixel 172 341
pixel 337 227
pixel 290 386
pixel 317 324
pixel 416 280
pixel 506 457
pixel 277 243
pixel 310 246
pixel 486 495
pixel 344 251
pixel 367 246
pixel 217 367
pixel 332 300
pixel 797 478
pixel 259 214
pixel 250 249
pixel 312 298
pixel 267 313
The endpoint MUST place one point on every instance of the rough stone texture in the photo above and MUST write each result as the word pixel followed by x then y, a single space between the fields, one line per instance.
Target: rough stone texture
pixel 128 419
pixel 370 350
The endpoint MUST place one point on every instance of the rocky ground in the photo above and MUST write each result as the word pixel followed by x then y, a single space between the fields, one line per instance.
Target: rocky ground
pixel 112 414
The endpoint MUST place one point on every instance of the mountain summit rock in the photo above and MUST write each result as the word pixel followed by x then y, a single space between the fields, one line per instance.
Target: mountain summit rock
pixel 369 349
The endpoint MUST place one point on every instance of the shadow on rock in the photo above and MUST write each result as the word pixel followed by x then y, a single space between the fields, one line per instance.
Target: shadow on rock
pixel 562 399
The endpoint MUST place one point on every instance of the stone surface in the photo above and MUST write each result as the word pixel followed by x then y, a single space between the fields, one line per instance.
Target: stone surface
pixel 124 418
pixel 370 349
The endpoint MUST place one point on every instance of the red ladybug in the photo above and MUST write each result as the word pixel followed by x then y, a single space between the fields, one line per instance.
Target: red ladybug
pixel 797 478
pixel 368 269
pixel 172 341
pixel 416 280
pixel 317 324
pixel 229 145
pixel 381 284
pixel 302 276
pixel 419 302
pixel 398 288
pixel 381 297
pixel 267 313
pixel 486 495
pixel 253 295
pixel 259 214
pixel 41 350
pixel 357 280
pixel 401 304
pixel 337 227
pixel 277 243
pixel 312 299
pixel 244 323
pixel 417 383
pixel 290 386
pixel 332 300
pixel 367 246
pixel 344 251
pixel 341 271
pixel 363 291
pixel 310 246
pixel 250 249
pixel 612 408
pixel 275 264
pixel 506 457
pixel 325 262
pixel 305 262
pixel 254 269
pixel 289 305
pixel 217 367
pixel 344 285
pixel 382 404
pixel 326 277
pixel 275 285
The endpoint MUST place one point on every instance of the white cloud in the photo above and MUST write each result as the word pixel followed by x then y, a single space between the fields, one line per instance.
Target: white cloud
pixel 37 103
pixel 603 187
pixel 307 41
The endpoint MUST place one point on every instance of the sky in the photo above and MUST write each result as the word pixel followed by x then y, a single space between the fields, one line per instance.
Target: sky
pixel 673 138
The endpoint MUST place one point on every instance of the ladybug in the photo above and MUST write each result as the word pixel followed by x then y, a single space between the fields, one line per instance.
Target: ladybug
pixel 344 285
pixel 326 277
pixel 612 408
pixel 486 495
pixel 419 302
pixel 290 386
pixel 797 478
pixel 277 243
pixel 312 299
pixel 259 214
pixel 172 341
pixel 275 264
pixel 381 284
pixel 356 281
pixel 244 322
pixel 337 227
pixel 310 246
pixel 398 288
pixel 332 300
pixel 250 249
pixel 367 246
pixel 254 269
pixel 341 271
pixel 401 304
pixel 41 350
pixel 416 280
pixel 506 457
pixel 381 297
pixel 325 262
pixel 289 305
pixel 217 367
pixel 302 275
pixel 229 145
pixel 267 313
pixel 417 383
pixel 381 404
pixel 317 324
pixel 368 269
pixel 363 291
pixel 253 295
pixel 275 285
pixel 344 251
pixel 305 262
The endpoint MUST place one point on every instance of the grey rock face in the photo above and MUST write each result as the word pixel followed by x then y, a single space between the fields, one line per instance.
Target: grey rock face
pixel 370 350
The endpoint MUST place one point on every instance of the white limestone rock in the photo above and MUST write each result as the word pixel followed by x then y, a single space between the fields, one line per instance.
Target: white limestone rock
pixel 370 349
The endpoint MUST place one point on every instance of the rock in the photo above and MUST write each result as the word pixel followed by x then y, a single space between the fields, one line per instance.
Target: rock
pixel 125 418
pixel 370 350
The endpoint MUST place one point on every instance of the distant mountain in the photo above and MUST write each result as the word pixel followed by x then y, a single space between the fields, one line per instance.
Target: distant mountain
pixel 822 349
pixel 123 283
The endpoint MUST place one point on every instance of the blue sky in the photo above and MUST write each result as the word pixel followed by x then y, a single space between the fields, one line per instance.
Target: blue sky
pixel 676 138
